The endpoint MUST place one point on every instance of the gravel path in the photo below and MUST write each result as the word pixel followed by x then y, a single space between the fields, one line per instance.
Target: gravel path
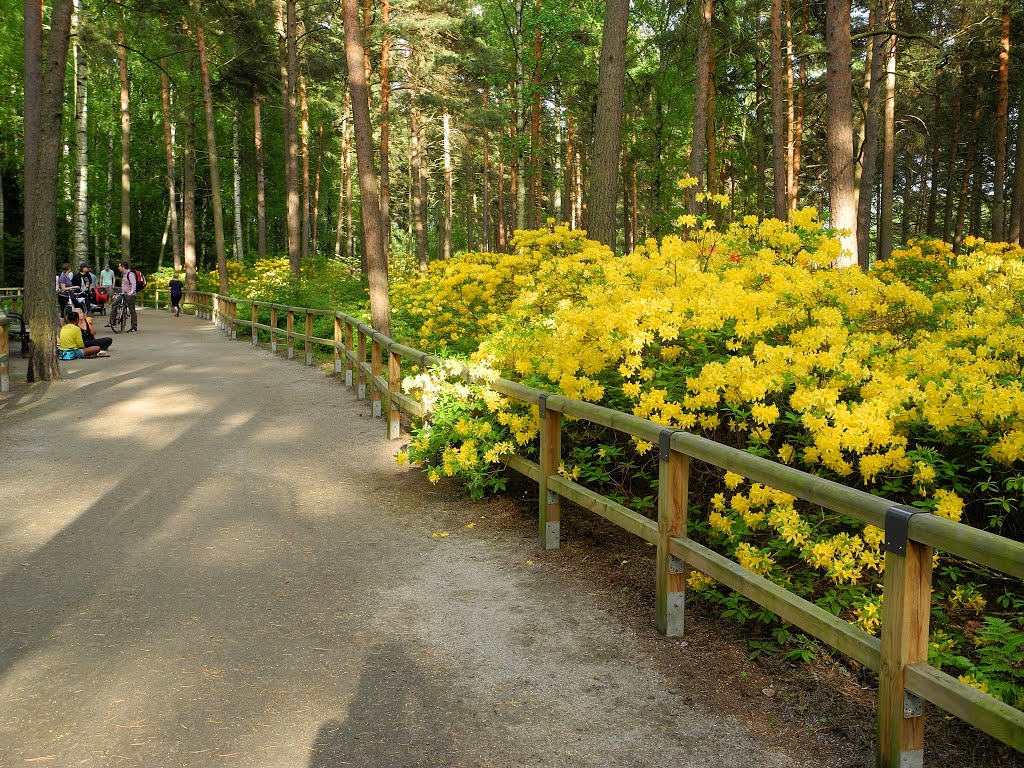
pixel 208 557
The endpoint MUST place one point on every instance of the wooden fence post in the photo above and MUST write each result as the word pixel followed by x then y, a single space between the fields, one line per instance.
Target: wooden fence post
pixel 348 353
pixel 255 317
pixel 307 345
pixel 550 512
pixel 156 298
pixel 670 573
pixel 906 610
pixel 394 383
pixel 291 332
pixel 273 328
pixel 337 344
pixel 376 364
pixel 232 316
pixel 360 359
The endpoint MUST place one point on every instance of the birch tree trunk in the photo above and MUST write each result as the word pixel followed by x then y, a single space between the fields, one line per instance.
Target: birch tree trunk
pixel 316 188
pixel 839 128
pixel 236 167
pixel 172 187
pixel 261 193
pixel 188 186
pixel 446 251
pixel 126 143
pixel 376 256
pixel 486 185
pixel 211 149
pixel 80 213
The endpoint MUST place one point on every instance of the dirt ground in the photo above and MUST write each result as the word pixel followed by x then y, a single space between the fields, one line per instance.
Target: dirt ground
pixel 209 557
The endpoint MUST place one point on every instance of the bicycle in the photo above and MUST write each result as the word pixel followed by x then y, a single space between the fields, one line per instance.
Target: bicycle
pixel 119 315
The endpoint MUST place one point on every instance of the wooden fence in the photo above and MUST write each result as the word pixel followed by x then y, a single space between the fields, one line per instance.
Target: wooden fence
pixel 900 658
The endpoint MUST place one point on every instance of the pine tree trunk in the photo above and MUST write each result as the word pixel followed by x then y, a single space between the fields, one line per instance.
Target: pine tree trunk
pixel 211 150
pixel 633 228
pixel 790 108
pixel 44 74
pixel 839 127
pixel 172 188
pixel 779 172
pixel 712 143
pixel 933 186
pixel 419 202
pixel 261 192
pixel 446 250
pixel 1017 204
pixel 236 169
pixel 385 128
pixel 486 183
pixel 350 233
pixel 289 71
pixel 954 148
pixel 558 180
pixel 109 207
pixel 604 169
pixel 376 256
pixel 885 218
pixel 502 240
pixel 80 215
pixel 126 143
pixel 964 201
pixel 536 205
pixel 1002 111
pixel 339 227
pixel 316 189
pixel 760 160
pixel 909 198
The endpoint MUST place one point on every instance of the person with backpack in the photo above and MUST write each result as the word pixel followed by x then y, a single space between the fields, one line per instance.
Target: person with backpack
pixel 132 281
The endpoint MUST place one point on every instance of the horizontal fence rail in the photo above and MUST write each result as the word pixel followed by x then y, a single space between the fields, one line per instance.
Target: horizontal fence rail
pixel 900 657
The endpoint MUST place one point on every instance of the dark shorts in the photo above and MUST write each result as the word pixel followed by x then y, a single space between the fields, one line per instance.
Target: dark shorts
pixel 175 299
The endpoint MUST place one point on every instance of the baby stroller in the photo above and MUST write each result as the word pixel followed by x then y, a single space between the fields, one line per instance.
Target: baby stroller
pixel 98 297
pixel 74 297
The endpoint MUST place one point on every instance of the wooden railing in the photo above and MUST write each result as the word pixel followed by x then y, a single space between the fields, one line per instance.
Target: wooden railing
pixel 901 656
pixel 12 300
pixel 5 354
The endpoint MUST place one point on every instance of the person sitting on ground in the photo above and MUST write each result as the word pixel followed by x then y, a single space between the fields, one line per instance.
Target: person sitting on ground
pixel 84 322
pixel 177 288
pixel 71 345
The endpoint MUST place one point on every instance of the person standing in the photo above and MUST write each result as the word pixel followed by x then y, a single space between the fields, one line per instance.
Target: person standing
pixel 83 280
pixel 129 287
pixel 177 288
pixel 64 287
pixel 107 279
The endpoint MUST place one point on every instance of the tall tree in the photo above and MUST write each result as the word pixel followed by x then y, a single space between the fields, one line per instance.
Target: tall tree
pixel 211 149
pixel 839 127
pixel 261 194
pixel 172 189
pixel 289 75
pixel 604 169
pixel 1002 110
pixel 80 214
pixel 126 145
pixel 699 142
pixel 45 66
pixel 236 166
pixel 188 182
pixel 779 151
pixel 373 240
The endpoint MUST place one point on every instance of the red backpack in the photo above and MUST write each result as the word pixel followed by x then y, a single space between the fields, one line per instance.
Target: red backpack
pixel 140 279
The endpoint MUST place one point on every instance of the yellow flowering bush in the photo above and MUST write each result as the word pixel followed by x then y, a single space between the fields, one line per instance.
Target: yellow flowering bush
pixel 905 381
